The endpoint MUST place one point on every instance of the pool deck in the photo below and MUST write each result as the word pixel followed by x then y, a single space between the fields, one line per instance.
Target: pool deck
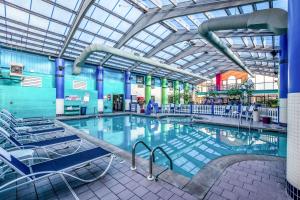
pixel 207 119
pixel 229 177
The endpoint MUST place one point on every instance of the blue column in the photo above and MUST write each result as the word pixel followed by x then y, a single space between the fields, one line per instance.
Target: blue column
pixel 293 136
pixel 60 85
pixel 283 80
pixel 99 86
pixel 127 90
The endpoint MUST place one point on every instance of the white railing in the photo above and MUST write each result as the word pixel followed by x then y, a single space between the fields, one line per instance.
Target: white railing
pixel 218 110
pixel 202 109
pixel 269 112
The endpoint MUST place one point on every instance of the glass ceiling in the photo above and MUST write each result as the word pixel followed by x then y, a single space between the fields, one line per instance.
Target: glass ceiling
pixel 43 26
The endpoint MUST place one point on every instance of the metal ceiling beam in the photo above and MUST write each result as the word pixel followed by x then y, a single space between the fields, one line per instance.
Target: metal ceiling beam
pixel 181 36
pixel 81 13
pixel 194 50
pixel 185 8
pixel 205 57
pixel 167 12
pixel 138 5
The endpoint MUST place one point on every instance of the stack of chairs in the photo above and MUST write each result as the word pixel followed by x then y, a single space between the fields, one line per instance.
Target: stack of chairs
pixel 21 144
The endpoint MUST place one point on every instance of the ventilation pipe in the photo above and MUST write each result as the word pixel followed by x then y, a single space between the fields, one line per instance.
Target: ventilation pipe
pixel 117 52
pixel 274 20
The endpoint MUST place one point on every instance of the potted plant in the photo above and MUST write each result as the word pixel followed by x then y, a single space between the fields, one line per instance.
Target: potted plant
pixel 141 102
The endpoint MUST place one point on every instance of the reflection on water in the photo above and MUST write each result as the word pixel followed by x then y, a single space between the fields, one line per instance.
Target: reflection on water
pixel 189 145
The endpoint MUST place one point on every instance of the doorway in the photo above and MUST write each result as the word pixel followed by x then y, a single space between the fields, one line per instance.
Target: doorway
pixel 118 102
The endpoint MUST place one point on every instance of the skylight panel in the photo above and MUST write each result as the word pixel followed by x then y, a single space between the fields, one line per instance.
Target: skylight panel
pixel 61 15
pixel 257 41
pixel 86 37
pixel 181 62
pixel 165 34
pixel 155 42
pixel 123 26
pixel 234 11
pixel 142 35
pixel 133 43
pixel 193 67
pixel 42 7
pixel 163 55
pixel 262 6
pixel 71 4
pixel 38 22
pixel 92 27
pixel 181 45
pixel 283 4
pixel 172 49
pixel 189 58
pixel 152 27
pixel 149 4
pixel 112 4
pixel 216 13
pixel 268 41
pixel 105 32
pixel 142 46
pixel 247 9
pixel 113 21
pixel 160 30
pixel 150 39
pixel 17 15
pixel 122 8
pixel 98 40
pixel 24 3
pixel 133 14
pixel 57 28
pixel 115 36
pixel 99 15
pixel 109 43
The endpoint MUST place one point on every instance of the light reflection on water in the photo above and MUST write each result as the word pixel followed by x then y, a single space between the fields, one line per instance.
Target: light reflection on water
pixel 190 146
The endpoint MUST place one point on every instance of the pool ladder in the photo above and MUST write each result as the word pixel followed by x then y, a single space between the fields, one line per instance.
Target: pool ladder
pixel 151 159
pixel 240 122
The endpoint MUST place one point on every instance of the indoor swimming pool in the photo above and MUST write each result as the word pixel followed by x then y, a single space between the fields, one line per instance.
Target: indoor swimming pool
pixel 191 146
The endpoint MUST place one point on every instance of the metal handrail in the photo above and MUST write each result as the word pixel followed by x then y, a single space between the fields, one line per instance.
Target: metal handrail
pixel 152 160
pixel 133 167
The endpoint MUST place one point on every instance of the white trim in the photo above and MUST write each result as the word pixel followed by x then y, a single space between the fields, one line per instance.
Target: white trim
pixel 60 106
pixel 283 110
pixel 100 105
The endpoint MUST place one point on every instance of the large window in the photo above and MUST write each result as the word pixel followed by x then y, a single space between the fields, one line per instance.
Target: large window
pixel 139 80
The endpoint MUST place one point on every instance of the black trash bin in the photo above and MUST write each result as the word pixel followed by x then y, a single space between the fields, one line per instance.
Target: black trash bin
pixel 83 110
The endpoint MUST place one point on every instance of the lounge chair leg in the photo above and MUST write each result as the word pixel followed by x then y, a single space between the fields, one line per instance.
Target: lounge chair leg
pixel 69 187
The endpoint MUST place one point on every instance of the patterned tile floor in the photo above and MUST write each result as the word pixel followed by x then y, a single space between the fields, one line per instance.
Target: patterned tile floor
pixel 253 180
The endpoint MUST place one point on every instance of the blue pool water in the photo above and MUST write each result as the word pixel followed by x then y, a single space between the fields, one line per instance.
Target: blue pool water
pixel 189 146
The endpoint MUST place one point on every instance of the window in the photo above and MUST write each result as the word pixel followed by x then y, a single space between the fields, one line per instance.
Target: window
pixel 153 81
pixel 139 79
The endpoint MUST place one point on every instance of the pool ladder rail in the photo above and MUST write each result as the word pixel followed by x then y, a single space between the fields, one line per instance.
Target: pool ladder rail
pixel 151 159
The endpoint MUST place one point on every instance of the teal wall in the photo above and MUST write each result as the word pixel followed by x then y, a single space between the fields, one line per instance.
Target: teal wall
pixel 32 101
pixel 113 82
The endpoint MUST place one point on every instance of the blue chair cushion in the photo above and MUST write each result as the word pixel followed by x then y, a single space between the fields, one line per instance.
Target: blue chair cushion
pixel 46 130
pixel 69 161
pixel 38 123
pixel 53 141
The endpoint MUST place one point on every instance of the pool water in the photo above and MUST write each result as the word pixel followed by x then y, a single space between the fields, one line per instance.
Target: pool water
pixel 190 146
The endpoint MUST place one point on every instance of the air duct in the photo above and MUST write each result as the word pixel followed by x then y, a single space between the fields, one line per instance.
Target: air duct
pixel 274 20
pixel 120 53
